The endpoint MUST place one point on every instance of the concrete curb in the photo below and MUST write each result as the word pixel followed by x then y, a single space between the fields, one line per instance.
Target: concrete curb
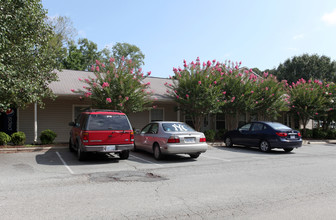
pixel 28 149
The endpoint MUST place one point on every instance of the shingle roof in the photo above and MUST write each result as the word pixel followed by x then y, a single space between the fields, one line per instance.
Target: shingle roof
pixel 69 79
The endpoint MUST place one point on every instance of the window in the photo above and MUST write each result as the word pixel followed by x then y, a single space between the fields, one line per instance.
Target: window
pixel 242 119
pixel 156 115
pixel 77 109
pixel 108 122
pixel 220 121
pixel 146 129
pixel 176 127
pixel 257 127
pixel 189 121
pixel 154 129
pixel 245 127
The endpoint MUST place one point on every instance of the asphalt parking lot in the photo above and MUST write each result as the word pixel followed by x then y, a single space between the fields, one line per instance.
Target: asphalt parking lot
pixel 230 183
pixel 61 161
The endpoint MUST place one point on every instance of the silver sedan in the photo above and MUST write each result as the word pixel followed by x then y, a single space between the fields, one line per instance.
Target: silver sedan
pixel 169 137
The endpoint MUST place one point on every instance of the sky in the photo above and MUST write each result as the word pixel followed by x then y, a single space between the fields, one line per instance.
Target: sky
pixel 259 33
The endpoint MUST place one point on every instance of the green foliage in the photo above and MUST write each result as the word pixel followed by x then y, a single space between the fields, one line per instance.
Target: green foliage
pixel 81 57
pixel 247 92
pixel 319 133
pixel 307 99
pixel 130 52
pixel 26 57
pixel 210 135
pixel 197 90
pixel 64 32
pixel 4 138
pixel 118 86
pixel 220 134
pixel 47 136
pixel 307 67
pixel 307 134
pixel 331 134
pixel 18 138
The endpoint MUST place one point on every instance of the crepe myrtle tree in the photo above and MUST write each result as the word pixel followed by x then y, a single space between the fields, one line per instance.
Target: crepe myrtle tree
pixel 238 89
pixel 246 92
pixel 270 97
pixel 196 89
pixel 328 114
pixel 308 98
pixel 117 86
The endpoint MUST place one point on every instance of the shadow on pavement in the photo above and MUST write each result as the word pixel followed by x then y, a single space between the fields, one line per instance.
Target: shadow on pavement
pixel 252 150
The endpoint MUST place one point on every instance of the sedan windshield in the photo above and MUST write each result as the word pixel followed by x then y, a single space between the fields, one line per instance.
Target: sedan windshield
pixel 176 127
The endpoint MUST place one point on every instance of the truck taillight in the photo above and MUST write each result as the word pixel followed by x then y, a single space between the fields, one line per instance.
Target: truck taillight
pixel 203 139
pixel 85 137
pixel 132 136
pixel 173 139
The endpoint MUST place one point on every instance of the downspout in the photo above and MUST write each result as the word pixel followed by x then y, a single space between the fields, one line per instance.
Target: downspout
pixel 178 114
pixel 35 123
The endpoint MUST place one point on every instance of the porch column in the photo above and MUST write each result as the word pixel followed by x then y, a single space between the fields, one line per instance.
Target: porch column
pixel 35 122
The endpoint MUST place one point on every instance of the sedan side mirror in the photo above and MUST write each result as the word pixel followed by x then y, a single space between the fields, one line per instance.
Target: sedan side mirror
pixel 137 131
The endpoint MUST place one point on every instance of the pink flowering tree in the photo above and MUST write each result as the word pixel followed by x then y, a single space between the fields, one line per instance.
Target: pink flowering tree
pixel 271 97
pixel 308 98
pixel 246 92
pixel 328 113
pixel 238 90
pixel 118 86
pixel 196 89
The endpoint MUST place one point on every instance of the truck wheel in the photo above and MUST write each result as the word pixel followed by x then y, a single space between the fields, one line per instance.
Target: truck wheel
pixel 124 154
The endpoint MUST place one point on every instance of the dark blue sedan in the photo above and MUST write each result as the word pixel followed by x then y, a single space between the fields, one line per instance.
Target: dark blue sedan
pixel 265 135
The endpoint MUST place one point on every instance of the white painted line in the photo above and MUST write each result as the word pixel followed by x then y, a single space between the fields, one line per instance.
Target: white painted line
pixel 146 161
pixel 216 158
pixel 65 163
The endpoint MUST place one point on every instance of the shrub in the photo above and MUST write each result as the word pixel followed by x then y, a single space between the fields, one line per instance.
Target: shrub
pixel 47 136
pixel 210 135
pixel 18 138
pixel 331 134
pixel 319 133
pixel 308 134
pixel 4 138
pixel 220 134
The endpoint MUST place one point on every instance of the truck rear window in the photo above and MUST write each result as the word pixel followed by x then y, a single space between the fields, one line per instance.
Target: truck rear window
pixel 108 122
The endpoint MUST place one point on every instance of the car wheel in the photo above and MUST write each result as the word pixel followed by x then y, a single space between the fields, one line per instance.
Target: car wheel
pixel 80 154
pixel 157 152
pixel 264 146
pixel 228 142
pixel 195 155
pixel 124 154
pixel 71 146
pixel 288 149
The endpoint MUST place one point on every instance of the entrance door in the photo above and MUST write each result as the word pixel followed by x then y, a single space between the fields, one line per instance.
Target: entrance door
pixel 8 121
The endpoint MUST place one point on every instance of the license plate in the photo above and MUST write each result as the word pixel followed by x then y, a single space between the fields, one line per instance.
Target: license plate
pixel 292 137
pixel 189 140
pixel 110 148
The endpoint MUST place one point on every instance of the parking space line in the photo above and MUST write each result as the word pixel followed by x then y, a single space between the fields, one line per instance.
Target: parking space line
pixel 216 158
pixel 65 164
pixel 146 161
